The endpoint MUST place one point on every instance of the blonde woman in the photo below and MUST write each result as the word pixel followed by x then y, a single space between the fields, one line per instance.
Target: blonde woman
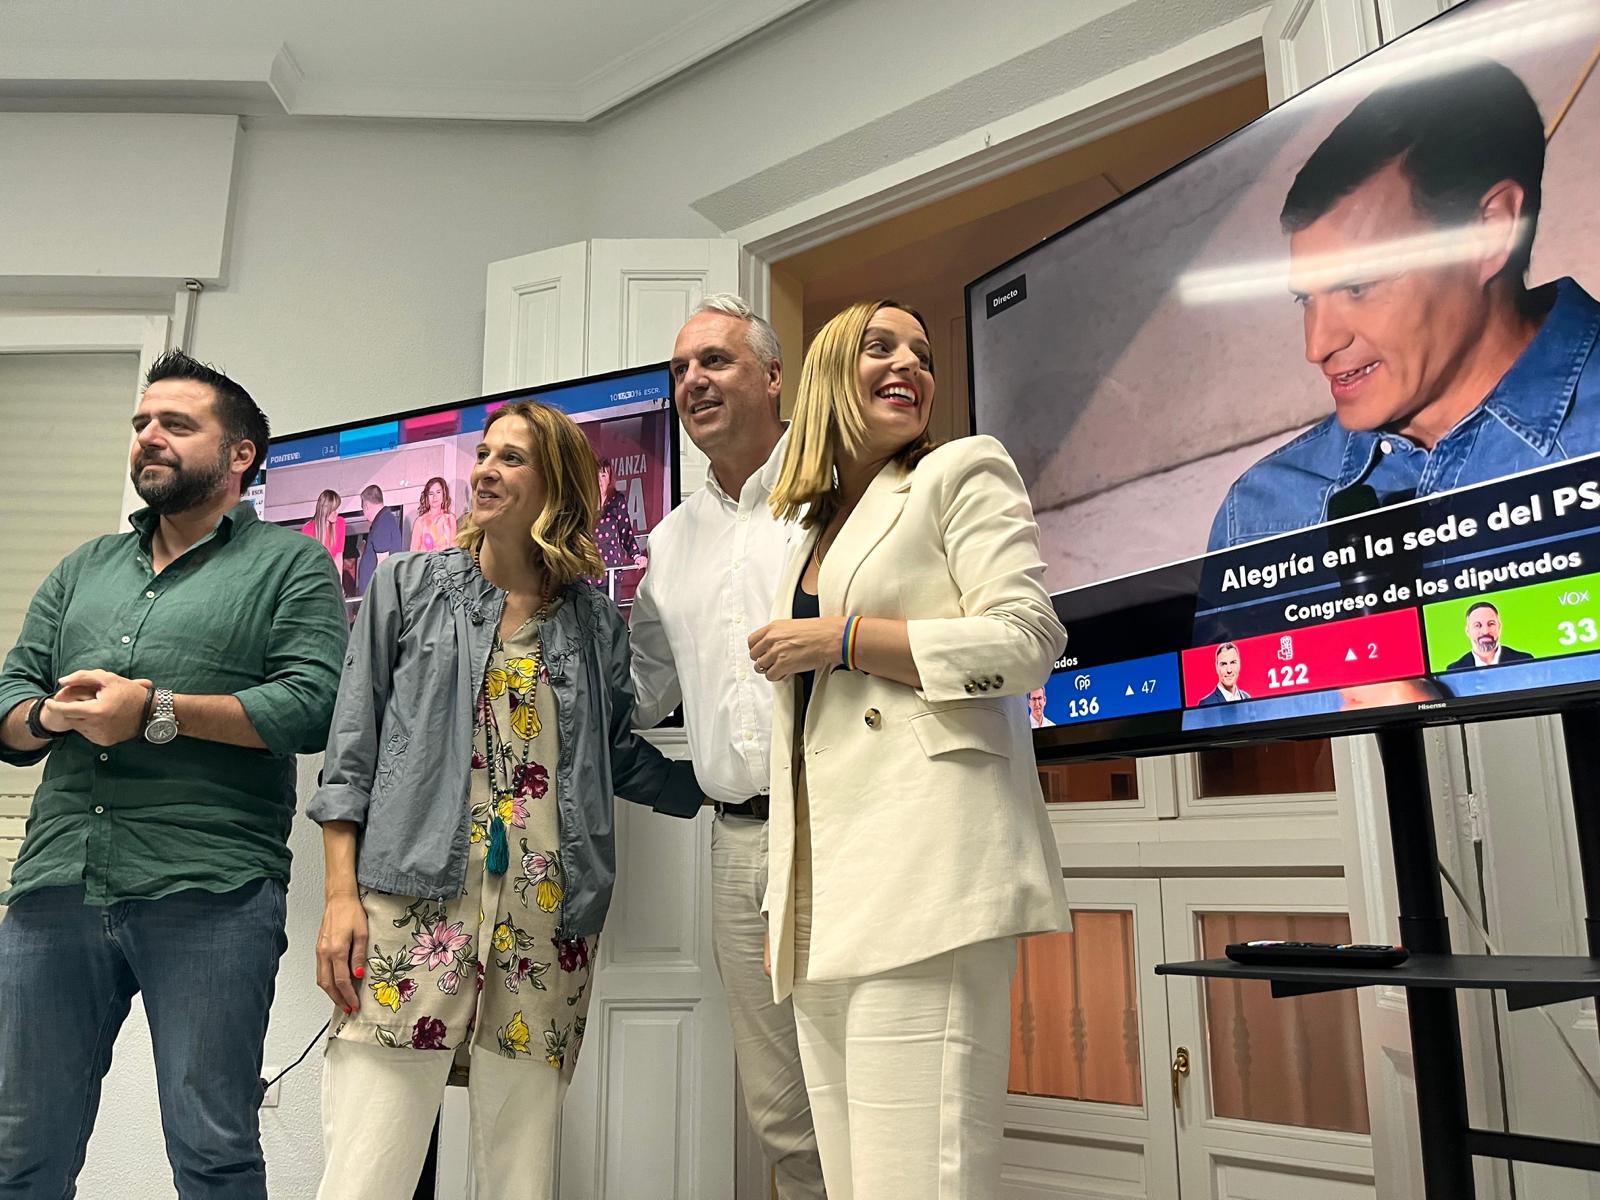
pixel 435 525
pixel 326 525
pixel 482 728
pixel 909 845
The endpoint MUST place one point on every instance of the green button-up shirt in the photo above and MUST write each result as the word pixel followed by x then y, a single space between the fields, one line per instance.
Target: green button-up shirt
pixel 252 610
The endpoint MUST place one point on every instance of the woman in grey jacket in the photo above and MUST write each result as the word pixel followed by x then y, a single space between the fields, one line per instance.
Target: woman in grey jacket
pixel 484 724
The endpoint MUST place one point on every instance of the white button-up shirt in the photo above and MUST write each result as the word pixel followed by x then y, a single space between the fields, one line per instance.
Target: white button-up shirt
pixel 714 567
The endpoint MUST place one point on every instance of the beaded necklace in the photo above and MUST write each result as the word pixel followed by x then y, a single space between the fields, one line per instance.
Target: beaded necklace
pixel 497 750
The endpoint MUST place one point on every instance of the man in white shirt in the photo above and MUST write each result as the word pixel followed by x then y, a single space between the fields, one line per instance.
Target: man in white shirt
pixel 1036 717
pixel 715 562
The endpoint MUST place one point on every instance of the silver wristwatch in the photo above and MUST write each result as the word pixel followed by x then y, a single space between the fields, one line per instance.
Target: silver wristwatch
pixel 163 726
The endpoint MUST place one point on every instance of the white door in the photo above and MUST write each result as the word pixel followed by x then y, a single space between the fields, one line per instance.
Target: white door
pixel 535 318
pixel 1274 1103
pixel 1522 804
pixel 1090 1110
pixel 641 291
pixel 650 1114
pixel 1304 41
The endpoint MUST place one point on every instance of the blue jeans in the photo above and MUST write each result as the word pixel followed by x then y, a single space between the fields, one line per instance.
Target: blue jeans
pixel 205 964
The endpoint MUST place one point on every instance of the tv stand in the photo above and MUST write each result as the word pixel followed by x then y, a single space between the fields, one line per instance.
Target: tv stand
pixel 1433 973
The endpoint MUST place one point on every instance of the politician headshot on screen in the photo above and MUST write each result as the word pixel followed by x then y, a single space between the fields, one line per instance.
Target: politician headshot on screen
pixel 1410 233
pixel 1227 690
pixel 1483 633
pixel 1036 717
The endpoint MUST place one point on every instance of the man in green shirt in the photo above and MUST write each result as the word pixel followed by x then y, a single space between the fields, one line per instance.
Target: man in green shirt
pixel 171 674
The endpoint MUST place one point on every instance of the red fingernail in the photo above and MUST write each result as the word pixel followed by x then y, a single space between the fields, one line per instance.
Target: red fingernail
pixel 360 971
pixel 348 1011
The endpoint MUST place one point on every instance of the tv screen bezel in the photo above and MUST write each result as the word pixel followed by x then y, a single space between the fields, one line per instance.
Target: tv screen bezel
pixel 674 465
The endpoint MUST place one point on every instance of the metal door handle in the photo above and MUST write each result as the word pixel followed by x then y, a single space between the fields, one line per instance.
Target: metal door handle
pixel 1180 1068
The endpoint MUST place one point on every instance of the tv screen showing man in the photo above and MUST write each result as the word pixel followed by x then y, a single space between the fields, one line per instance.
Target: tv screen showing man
pixel 383 535
pixel 1483 633
pixel 1227 690
pixel 1348 385
pixel 1410 232
pixel 1036 717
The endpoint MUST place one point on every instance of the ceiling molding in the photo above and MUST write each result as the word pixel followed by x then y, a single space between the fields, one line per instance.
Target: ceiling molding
pixel 69 73
pixel 286 79
pixel 974 158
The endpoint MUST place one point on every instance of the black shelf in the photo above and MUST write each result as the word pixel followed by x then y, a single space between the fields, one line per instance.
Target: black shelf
pixel 1527 980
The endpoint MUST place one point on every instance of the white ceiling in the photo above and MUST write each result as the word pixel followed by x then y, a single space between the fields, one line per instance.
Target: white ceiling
pixel 513 60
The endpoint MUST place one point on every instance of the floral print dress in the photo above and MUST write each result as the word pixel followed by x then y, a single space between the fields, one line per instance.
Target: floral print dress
pixel 486 968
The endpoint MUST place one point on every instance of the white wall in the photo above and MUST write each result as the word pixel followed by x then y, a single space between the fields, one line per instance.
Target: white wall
pixel 849 88
pixel 356 276
pixel 96 194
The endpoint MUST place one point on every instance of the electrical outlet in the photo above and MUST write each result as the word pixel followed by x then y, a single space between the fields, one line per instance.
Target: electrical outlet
pixel 269 1097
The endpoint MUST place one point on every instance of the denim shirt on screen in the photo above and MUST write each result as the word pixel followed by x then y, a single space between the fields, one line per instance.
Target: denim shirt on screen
pixel 1544 410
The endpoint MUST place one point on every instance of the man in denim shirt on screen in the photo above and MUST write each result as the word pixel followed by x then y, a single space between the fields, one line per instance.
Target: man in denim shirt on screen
pixel 1410 230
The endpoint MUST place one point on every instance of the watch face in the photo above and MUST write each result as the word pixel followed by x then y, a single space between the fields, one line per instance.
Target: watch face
pixel 161 730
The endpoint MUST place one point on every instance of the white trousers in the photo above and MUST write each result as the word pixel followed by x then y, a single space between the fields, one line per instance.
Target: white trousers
pixel 764 1041
pixel 378 1109
pixel 907 1070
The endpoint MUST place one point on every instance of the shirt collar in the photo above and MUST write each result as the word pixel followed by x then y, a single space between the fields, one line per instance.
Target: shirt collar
pixel 146 520
pixel 1533 398
pixel 766 478
pixel 1535 394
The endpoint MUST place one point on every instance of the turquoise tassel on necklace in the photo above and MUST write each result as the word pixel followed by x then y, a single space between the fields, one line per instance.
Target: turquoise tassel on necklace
pixel 499 849
pixel 522 683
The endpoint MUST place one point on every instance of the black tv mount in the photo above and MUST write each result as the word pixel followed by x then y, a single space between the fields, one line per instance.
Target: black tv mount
pixel 1433 973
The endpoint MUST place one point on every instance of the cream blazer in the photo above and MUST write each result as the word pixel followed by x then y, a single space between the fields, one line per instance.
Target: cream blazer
pixel 928 828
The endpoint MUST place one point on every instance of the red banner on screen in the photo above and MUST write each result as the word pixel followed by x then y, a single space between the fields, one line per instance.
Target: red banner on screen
pixel 1336 655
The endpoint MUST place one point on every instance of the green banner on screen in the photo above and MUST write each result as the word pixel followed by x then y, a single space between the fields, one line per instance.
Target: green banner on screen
pixel 1541 620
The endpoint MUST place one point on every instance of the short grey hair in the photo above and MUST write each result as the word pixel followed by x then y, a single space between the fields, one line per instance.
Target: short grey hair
pixel 763 338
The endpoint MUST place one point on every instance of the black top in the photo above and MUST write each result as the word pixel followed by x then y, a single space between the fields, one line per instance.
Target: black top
pixel 805 606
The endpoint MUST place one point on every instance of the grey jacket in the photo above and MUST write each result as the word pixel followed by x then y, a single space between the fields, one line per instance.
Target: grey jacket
pixel 401 742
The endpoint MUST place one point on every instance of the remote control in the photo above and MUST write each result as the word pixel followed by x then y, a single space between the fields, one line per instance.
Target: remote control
pixel 1317 954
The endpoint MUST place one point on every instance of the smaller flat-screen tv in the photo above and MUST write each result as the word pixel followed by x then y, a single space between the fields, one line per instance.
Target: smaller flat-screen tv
pixel 412 467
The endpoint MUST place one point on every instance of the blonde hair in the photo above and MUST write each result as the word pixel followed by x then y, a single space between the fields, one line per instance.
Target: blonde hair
pixel 563 532
pixel 828 418
pixel 327 509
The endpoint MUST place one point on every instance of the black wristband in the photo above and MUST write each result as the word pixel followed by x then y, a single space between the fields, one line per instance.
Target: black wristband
pixel 149 707
pixel 36 726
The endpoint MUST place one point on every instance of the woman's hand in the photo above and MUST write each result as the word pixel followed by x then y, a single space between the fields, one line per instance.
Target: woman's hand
pixel 342 949
pixel 786 648
pixel 766 954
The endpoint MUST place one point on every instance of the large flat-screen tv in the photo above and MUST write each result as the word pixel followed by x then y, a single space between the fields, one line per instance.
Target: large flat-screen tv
pixel 1311 421
pixel 399 482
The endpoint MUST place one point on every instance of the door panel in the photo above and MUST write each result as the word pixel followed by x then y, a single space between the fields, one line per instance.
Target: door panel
pixel 1088 1115
pixel 1270 1080
pixel 535 314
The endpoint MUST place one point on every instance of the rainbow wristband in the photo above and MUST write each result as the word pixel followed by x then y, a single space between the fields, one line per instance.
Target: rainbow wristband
pixel 847 648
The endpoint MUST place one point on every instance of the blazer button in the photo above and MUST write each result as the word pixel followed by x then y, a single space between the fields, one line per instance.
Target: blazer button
pixel 983 685
pixel 874 718
pixel 971 688
pixel 999 680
